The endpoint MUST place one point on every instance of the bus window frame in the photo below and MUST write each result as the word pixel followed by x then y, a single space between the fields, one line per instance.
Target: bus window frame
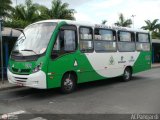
pixel 92 40
pixel 149 42
pixel 142 33
pixel 132 41
pixel 65 27
pixel 106 51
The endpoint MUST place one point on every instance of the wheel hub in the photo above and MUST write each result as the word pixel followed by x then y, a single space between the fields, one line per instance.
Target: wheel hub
pixel 68 84
pixel 127 75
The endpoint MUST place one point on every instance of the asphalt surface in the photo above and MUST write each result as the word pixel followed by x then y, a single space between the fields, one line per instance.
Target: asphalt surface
pixel 90 101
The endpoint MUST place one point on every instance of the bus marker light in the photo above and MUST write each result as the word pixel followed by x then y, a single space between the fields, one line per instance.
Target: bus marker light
pixel 51 77
pixel 51 73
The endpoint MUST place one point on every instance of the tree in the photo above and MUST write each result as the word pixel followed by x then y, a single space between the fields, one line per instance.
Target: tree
pixel 104 22
pixel 153 26
pixel 28 12
pixel 23 15
pixel 16 23
pixel 123 22
pixel 60 10
pixel 5 8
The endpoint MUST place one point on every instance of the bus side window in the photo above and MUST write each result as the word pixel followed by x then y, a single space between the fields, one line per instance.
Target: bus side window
pixel 104 40
pixel 143 42
pixel 86 39
pixel 126 41
pixel 65 43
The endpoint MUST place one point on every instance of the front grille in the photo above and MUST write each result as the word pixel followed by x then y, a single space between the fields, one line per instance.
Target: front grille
pixel 21 80
pixel 21 70
pixel 25 70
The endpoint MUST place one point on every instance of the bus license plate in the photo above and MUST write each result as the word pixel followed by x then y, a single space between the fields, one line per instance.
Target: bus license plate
pixel 20 84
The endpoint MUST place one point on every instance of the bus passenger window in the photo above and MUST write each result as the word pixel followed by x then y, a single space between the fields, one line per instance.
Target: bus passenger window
pixel 104 40
pixel 143 43
pixel 126 41
pixel 86 39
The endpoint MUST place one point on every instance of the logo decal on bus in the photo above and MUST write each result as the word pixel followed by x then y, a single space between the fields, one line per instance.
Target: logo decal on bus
pixel 111 60
pixel 122 60
pixel 19 70
pixel 131 59
pixel 27 65
pixel 75 63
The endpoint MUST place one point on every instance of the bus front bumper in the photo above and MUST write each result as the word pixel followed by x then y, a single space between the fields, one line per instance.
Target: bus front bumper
pixel 35 80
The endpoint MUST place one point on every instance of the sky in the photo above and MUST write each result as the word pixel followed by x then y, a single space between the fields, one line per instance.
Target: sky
pixel 95 11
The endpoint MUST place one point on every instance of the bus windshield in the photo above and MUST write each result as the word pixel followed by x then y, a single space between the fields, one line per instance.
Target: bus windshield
pixel 35 38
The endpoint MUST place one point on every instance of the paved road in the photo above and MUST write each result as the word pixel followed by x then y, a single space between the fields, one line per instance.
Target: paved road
pixel 140 95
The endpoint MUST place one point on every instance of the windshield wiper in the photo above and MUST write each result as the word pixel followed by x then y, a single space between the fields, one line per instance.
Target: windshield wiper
pixel 30 51
pixel 17 52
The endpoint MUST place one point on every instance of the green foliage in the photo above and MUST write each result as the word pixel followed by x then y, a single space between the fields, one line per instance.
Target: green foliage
pixel 5 8
pixel 60 10
pixel 151 25
pixel 104 22
pixel 154 27
pixel 25 14
pixel 29 12
pixel 123 22
pixel 16 24
pixel 156 35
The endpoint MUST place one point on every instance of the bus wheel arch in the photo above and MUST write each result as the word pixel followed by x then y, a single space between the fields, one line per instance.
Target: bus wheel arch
pixel 127 74
pixel 69 82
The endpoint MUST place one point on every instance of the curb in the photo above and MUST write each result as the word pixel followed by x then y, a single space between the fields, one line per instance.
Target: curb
pixel 155 66
pixel 6 85
pixel 10 87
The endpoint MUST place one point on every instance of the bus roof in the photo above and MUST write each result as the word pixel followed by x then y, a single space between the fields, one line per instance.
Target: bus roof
pixel 82 23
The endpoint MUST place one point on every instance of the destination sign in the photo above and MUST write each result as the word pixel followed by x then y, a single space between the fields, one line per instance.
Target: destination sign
pixel 110 27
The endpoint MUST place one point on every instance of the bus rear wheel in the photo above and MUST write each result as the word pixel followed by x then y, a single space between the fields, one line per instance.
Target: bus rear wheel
pixel 68 83
pixel 127 74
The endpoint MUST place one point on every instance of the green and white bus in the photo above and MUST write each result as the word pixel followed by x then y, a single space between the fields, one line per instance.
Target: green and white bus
pixel 63 53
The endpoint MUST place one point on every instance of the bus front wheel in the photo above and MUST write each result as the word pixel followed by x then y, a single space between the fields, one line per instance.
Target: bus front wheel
pixel 68 83
pixel 127 74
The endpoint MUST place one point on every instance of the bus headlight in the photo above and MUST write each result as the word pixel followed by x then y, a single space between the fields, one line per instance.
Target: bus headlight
pixel 37 68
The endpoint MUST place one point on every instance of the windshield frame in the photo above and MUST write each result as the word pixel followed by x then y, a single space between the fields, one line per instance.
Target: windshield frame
pixel 19 53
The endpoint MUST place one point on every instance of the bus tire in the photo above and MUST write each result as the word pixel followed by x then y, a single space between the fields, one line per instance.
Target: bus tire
pixel 68 83
pixel 127 74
